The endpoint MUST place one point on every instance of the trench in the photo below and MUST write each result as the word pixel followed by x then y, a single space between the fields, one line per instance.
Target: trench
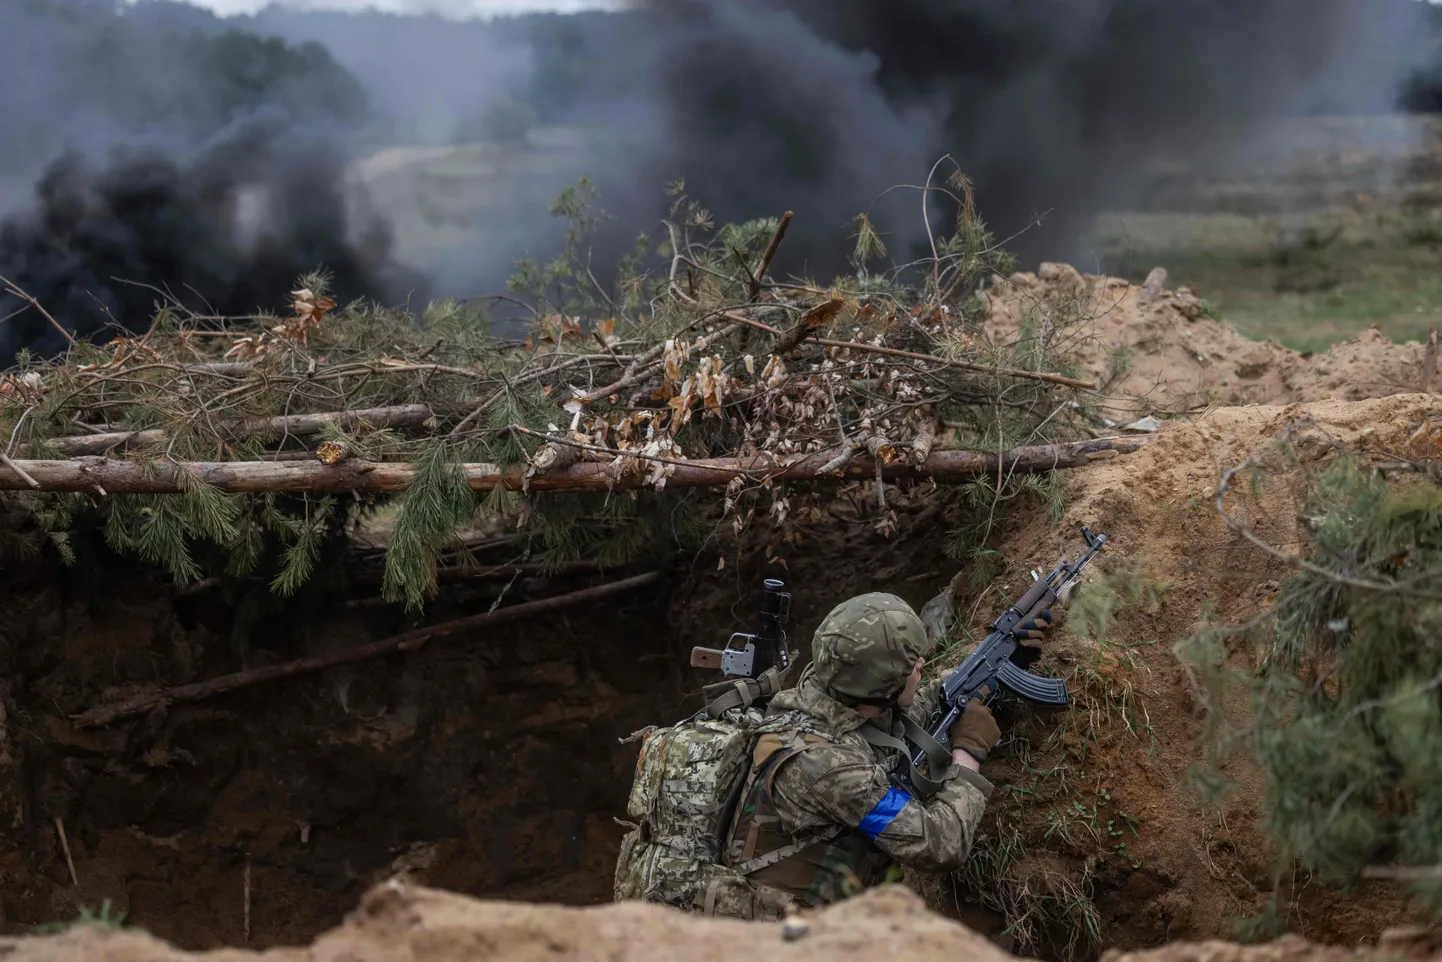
pixel 490 763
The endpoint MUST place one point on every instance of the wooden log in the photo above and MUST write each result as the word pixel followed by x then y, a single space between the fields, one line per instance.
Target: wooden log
pixel 455 575
pixel 297 425
pixel 105 475
pixel 409 641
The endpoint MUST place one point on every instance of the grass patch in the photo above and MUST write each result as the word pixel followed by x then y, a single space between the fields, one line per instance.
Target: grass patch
pixel 1052 821
pixel 1308 282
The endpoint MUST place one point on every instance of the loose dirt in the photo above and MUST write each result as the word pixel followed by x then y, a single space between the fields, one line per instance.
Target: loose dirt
pixel 1158 351
pixel 1125 753
pixel 398 923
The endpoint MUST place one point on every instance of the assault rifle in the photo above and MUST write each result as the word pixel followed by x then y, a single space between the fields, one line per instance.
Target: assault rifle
pixel 991 667
pixel 749 656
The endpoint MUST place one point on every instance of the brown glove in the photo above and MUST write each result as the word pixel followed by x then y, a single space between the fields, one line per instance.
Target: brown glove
pixel 975 732
pixel 1030 633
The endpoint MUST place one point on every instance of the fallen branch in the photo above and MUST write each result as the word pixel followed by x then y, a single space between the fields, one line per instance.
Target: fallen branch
pixel 963 365
pixel 491 572
pixel 410 641
pixel 819 316
pixel 104 475
pixel 10 288
pixel 1403 873
pixel 295 425
pixel 756 279
pixel 65 847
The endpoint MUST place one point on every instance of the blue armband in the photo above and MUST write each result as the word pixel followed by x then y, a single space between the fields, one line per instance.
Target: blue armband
pixel 883 813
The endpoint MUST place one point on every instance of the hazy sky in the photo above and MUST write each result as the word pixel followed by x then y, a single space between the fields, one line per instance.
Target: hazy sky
pixel 452 8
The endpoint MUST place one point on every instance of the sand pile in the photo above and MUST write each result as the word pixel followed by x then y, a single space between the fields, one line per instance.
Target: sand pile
pixel 1157 351
pixel 397 923
pixel 1135 734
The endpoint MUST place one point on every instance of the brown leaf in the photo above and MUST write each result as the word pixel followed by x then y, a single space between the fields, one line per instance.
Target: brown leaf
pixel 330 452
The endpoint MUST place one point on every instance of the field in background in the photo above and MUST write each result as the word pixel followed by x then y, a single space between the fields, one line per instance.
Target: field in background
pixel 1333 227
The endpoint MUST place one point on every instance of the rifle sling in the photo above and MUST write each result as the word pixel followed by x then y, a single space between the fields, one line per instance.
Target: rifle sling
pixel 740 692
pixel 937 755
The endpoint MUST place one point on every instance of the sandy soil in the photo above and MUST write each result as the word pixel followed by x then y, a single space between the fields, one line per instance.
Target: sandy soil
pixel 396 923
pixel 1158 352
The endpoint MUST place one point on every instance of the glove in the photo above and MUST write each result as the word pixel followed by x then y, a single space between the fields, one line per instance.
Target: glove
pixel 975 732
pixel 1030 633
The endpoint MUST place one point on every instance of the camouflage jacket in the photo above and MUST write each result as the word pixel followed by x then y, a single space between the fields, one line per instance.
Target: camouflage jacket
pixel 827 780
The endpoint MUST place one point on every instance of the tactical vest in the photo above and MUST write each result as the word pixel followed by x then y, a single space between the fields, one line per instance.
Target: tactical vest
pixel 813 870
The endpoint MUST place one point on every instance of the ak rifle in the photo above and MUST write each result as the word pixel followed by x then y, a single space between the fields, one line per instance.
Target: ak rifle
pixel 990 666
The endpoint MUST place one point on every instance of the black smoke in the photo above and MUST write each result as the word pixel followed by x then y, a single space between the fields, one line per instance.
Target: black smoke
pixel 1050 105
pixel 172 166
pixel 225 231
pixel 1059 107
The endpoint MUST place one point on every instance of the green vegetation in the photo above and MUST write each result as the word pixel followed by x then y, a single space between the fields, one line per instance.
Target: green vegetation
pixel 1347 713
pixel 681 355
pixel 1306 281
pixel 1052 824
pixel 105 917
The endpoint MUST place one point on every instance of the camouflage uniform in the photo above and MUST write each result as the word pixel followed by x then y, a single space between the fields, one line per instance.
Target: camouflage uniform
pixel 818 799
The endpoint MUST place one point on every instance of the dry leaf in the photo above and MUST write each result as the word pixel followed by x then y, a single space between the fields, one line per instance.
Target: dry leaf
pixel 330 452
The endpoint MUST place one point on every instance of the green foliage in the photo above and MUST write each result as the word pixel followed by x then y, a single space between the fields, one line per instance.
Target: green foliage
pixel 1348 714
pixel 645 369
pixel 105 917
pixel 437 505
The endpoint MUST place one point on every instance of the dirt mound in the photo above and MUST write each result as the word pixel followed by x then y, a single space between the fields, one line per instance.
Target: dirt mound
pixel 1103 794
pixel 396 922
pixel 1159 351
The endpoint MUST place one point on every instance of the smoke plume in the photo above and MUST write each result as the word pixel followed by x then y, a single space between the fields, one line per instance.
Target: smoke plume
pixel 224 191
pixel 1050 105
pixel 169 166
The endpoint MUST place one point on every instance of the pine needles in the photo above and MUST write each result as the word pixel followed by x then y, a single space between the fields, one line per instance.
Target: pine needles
pixel 690 350
pixel 1349 691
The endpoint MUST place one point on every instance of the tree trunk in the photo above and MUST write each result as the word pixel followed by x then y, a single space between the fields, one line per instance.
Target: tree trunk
pixel 104 475
pixel 298 425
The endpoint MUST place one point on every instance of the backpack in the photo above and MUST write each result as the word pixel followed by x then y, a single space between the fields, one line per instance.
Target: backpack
pixel 689 777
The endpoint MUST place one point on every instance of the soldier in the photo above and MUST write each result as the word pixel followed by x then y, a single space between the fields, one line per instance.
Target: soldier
pixel 818 817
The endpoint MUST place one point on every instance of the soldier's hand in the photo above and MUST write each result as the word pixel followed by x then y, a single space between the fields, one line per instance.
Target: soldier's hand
pixel 1030 633
pixel 975 732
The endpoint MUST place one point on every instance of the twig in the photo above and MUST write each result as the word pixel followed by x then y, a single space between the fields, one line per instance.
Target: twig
pixel 24 476
pixel 776 239
pixel 12 289
pixel 1403 873
pixel 964 365
pixel 1429 362
pixel 65 847
pixel 409 641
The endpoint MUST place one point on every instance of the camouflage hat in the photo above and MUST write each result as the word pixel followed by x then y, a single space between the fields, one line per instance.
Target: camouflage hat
pixel 865 647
